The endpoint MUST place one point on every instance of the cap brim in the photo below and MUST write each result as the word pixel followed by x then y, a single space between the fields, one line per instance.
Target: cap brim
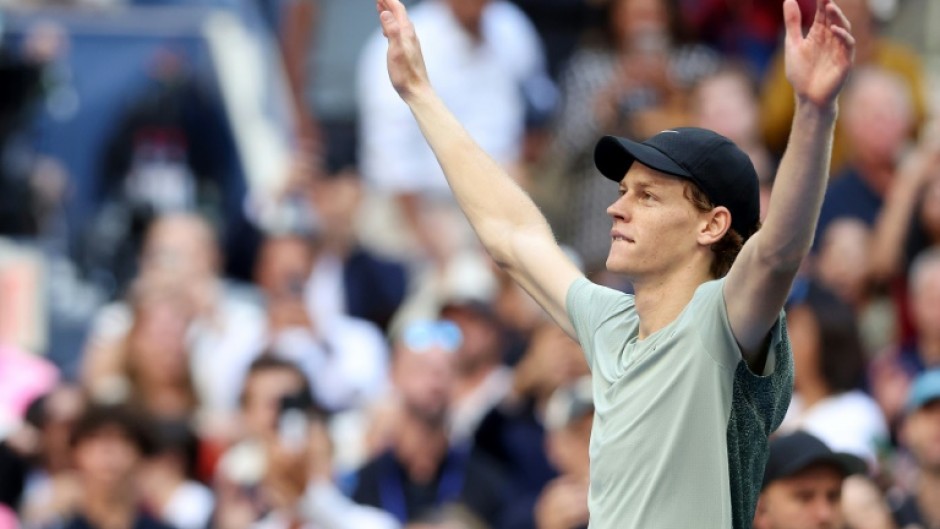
pixel 613 157
pixel 848 464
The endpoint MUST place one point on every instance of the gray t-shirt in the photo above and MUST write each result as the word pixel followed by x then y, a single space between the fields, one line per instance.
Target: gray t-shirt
pixel 681 423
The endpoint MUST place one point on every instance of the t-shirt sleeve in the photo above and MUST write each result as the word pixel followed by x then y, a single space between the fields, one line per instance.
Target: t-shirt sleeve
pixel 711 313
pixel 589 305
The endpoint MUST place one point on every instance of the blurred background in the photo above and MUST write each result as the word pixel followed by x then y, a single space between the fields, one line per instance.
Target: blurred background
pixel 235 291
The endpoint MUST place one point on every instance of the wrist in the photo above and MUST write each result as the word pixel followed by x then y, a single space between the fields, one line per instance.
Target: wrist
pixel 418 95
pixel 827 111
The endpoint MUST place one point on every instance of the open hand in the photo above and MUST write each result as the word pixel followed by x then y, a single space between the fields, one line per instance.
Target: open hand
pixel 405 63
pixel 818 64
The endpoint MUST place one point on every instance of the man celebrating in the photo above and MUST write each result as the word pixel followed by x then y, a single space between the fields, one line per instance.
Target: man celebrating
pixel 693 372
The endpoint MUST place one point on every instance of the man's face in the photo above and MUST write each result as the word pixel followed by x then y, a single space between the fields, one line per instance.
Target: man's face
pixel 107 459
pixel 654 224
pixel 263 393
pixel 425 381
pixel 922 435
pixel 925 300
pixel 809 499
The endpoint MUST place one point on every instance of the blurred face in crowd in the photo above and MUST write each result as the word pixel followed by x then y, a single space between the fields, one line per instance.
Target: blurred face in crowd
pixel 925 299
pixel 157 345
pixel 107 460
pixel 336 200
pixel 481 337
pixel 810 499
pixel 843 264
pixel 568 447
pixel 60 410
pixel 424 375
pixel 878 116
pixel 469 13
pixel 726 104
pixel 635 21
pixel 262 396
pixel 921 434
pixel 284 264
pixel 180 247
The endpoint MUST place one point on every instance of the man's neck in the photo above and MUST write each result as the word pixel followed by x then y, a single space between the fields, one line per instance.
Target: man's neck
pixel 109 511
pixel 420 450
pixel 928 498
pixel 660 300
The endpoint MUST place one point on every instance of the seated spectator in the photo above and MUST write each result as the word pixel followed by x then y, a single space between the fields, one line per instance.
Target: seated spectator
pixel 512 429
pixel 167 479
pixel 52 487
pixel 802 486
pixel 829 369
pixel 420 471
pixel 844 266
pixel 877 121
pixel 892 372
pixel 871 50
pixel 345 358
pixel 349 277
pixel 920 435
pixel 181 249
pixel 109 445
pixel 568 418
pixel 155 355
pixel 910 219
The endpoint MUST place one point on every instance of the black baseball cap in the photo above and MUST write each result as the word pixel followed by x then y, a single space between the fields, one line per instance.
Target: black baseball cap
pixel 713 162
pixel 795 452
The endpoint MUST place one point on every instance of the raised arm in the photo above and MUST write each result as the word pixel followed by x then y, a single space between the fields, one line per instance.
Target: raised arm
pixel 760 279
pixel 505 219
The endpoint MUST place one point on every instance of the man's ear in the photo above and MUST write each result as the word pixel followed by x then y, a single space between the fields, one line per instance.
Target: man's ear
pixel 715 224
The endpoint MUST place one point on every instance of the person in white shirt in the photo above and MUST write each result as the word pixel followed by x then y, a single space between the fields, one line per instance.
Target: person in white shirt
pixel 479 54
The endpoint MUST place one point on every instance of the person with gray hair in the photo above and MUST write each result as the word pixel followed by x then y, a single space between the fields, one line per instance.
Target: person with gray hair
pixel 892 372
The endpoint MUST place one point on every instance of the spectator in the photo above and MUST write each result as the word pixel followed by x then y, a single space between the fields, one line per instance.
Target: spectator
pixel 349 277
pixel 167 478
pixel 345 358
pixel 891 373
pixel 479 53
pixel 181 249
pixel 802 485
pixel 726 102
pixel 568 418
pixel 910 220
pixel 509 432
pixel 844 265
pixel 829 369
pixel 871 49
pixel 155 356
pixel 877 121
pixel 482 379
pixel 921 436
pixel 109 444
pixel 421 471
pixel 633 84
pixel 51 486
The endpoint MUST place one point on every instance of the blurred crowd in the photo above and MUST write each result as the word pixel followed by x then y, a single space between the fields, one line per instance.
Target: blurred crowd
pixel 344 354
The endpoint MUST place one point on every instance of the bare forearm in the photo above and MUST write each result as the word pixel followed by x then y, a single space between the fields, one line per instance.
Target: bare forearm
pixel 794 208
pixel 495 205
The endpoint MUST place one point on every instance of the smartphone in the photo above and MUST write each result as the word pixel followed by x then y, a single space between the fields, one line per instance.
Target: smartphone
pixel 293 424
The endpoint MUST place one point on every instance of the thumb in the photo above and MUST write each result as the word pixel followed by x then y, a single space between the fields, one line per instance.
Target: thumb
pixel 792 20
pixel 389 24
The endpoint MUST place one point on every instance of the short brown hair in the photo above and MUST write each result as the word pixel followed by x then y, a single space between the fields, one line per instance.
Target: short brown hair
pixel 726 249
